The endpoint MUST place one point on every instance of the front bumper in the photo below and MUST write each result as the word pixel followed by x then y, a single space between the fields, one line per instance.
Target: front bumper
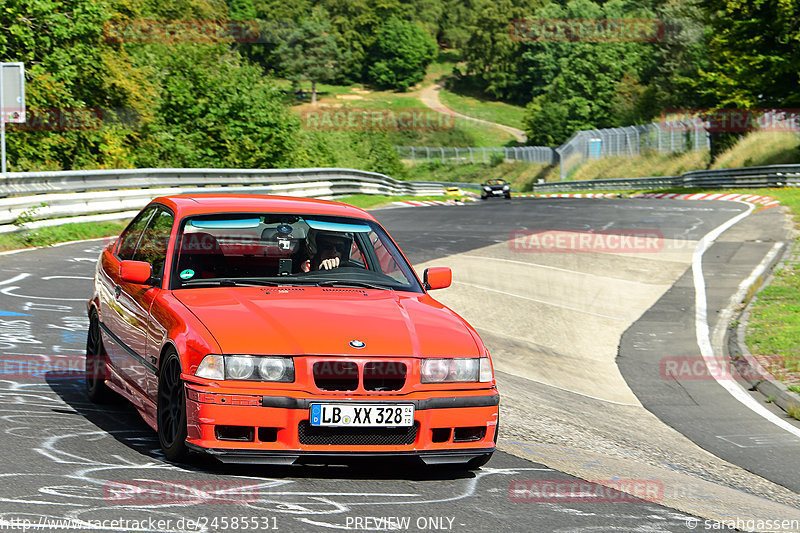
pixel 275 429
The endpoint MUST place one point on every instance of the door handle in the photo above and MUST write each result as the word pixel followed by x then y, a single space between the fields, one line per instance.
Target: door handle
pixel 117 291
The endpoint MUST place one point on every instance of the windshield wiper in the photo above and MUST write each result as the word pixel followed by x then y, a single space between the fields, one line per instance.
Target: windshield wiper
pixel 348 283
pixel 227 282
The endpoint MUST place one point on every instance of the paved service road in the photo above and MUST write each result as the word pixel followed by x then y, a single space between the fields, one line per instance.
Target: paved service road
pixel 65 459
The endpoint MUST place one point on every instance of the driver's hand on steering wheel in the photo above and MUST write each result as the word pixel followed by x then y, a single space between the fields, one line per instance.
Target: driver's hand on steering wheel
pixel 328 264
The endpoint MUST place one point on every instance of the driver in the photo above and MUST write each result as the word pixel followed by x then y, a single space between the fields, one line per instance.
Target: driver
pixel 326 249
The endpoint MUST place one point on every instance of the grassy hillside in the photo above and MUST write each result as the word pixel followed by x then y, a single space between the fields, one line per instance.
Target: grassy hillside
pixel 521 176
pixel 499 112
pixel 334 98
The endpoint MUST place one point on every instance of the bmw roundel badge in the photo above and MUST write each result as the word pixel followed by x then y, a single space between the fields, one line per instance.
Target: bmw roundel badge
pixel 358 344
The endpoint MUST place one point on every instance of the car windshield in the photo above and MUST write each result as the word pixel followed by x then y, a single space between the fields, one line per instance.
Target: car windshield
pixel 274 249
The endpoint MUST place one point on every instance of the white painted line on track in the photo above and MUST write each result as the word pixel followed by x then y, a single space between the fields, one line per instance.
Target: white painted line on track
pixel 7 292
pixel 568 308
pixel 702 329
pixel 15 279
pixel 558 269
pixel 66 277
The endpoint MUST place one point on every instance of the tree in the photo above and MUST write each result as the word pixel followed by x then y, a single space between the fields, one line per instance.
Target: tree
pixel 215 111
pixel 584 85
pixel 72 73
pixel 402 53
pixel 241 9
pixel 311 52
pixel 755 53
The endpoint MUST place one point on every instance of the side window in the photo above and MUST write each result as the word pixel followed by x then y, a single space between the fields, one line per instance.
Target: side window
pixel 387 263
pixel 130 238
pixel 356 256
pixel 153 244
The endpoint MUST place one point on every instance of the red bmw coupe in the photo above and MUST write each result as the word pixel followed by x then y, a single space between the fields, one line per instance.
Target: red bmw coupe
pixel 278 330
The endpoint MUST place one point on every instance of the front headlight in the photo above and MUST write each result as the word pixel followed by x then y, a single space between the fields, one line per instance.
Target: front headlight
pixel 247 367
pixel 239 367
pixel 487 188
pixel 276 369
pixel 506 187
pixel 450 370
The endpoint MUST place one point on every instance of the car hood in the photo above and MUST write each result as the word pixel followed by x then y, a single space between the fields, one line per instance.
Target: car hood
pixel 323 321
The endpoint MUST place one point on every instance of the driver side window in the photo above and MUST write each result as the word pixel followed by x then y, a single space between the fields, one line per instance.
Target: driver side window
pixel 130 238
pixel 153 244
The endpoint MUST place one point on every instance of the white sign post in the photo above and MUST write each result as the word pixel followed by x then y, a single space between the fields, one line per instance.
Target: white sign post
pixel 12 102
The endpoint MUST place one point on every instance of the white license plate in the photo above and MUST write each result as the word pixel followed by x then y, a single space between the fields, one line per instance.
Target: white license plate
pixel 360 415
pixel 498 193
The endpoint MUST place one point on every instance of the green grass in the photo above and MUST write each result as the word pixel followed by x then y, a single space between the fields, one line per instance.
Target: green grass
pixel 762 148
pixel 774 327
pixel 493 111
pixel 650 164
pixel 55 234
pixel 458 132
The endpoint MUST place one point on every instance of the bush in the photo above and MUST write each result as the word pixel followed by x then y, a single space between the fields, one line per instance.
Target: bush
pixel 403 50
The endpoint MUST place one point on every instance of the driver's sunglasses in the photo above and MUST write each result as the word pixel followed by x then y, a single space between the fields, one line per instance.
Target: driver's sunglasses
pixel 331 244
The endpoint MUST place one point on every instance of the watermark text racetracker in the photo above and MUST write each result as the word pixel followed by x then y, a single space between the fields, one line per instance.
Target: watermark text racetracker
pixel 585 491
pixel 618 240
pixel 698 368
pixel 731 120
pixel 354 119
pixel 149 523
pixel 76 118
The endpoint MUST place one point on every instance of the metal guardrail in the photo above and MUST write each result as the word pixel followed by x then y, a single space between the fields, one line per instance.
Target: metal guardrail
pixel 616 184
pixel 96 192
pixel 738 178
pixel 102 194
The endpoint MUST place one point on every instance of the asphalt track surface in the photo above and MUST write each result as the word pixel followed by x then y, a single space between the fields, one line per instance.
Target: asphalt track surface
pixel 66 459
pixel 695 404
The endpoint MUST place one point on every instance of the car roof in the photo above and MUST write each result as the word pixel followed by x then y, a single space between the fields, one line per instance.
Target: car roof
pixel 199 204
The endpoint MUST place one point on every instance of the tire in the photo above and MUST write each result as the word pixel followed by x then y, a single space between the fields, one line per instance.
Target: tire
pixel 171 409
pixel 96 388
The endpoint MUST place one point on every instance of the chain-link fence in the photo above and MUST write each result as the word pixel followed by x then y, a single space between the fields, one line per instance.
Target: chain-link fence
pixel 630 141
pixel 444 155
pixel 581 147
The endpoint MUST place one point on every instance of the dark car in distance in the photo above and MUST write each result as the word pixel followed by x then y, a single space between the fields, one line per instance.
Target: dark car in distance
pixel 495 188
